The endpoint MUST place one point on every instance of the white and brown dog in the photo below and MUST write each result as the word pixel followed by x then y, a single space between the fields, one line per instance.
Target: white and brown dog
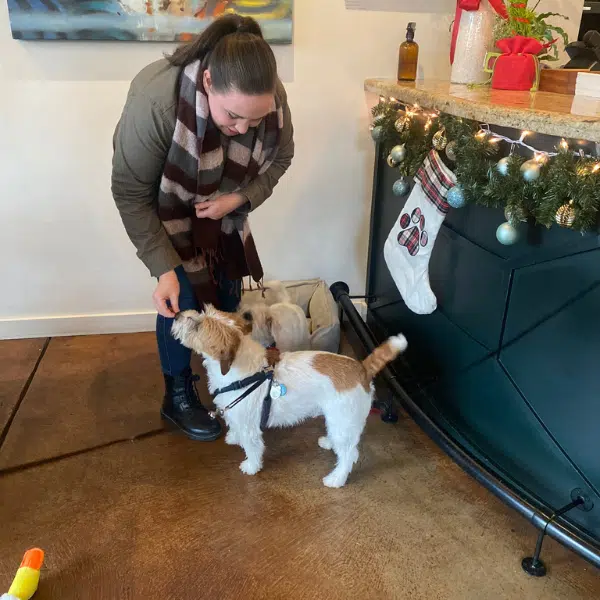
pixel 278 321
pixel 318 384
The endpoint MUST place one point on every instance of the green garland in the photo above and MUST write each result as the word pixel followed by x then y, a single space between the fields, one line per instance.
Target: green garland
pixel 563 178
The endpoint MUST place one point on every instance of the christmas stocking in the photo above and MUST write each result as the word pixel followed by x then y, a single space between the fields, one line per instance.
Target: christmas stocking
pixel 408 247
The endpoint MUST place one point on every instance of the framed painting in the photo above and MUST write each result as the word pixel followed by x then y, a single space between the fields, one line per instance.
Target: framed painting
pixel 141 20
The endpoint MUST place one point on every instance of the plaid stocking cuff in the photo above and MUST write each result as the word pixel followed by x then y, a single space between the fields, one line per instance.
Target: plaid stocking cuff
pixel 436 180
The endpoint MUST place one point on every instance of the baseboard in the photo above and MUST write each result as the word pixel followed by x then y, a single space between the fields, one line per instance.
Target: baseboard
pixel 77 325
pixel 38 327
pixel 361 308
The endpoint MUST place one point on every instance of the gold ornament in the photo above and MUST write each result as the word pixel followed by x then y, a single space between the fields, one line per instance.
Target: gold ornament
pixel 565 215
pixel 440 141
pixel 401 124
pixel 391 162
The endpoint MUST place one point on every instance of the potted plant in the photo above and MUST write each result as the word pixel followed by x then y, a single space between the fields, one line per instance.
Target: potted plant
pixel 524 39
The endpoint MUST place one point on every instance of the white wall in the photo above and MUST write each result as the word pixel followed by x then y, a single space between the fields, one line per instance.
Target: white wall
pixel 63 250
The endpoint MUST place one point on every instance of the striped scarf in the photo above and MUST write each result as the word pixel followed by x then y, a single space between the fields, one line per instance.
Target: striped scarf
pixel 201 165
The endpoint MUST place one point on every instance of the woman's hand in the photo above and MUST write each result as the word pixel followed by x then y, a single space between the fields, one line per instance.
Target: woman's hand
pixel 219 207
pixel 167 289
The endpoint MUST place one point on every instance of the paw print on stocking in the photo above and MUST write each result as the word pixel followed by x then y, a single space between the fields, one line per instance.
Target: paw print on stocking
pixel 413 235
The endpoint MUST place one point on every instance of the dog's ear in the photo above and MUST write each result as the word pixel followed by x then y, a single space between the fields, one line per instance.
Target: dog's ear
pixel 228 355
pixel 244 322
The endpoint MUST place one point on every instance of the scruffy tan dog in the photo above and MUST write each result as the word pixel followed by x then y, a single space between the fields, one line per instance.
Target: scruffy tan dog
pixel 280 322
pixel 315 383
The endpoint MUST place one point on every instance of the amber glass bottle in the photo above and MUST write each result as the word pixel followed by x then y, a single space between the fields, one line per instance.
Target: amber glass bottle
pixel 408 56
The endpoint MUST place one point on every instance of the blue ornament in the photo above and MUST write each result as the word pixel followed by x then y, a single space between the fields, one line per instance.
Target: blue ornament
pixel 507 235
pixel 531 170
pixel 502 166
pixel 398 153
pixel 456 197
pixel 401 187
pixel 377 132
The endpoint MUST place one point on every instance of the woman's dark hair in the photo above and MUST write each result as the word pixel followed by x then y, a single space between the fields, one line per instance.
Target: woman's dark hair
pixel 235 52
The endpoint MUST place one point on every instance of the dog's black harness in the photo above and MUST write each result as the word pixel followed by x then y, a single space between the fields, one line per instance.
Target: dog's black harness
pixel 252 383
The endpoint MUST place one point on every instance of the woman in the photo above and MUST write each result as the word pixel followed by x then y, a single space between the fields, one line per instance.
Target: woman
pixel 204 137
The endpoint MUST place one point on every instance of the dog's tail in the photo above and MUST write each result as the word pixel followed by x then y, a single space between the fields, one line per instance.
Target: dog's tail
pixel 384 354
pixel 280 293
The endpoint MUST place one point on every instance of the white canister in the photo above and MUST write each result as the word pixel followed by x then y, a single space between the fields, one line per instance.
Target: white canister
pixel 475 40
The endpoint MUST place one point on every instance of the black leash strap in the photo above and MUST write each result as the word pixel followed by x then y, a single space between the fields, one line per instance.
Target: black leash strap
pixel 266 409
pixel 255 381
pixel 259 377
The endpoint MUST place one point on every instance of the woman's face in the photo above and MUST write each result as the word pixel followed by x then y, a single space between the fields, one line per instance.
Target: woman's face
pixel 234 113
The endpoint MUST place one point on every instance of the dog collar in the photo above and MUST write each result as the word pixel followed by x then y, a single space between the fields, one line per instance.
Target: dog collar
pixel 252 383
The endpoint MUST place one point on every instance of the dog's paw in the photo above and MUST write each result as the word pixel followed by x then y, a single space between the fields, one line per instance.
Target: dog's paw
pixel 334 481
pixel 231 439
pixel 325 443
pixel 250 468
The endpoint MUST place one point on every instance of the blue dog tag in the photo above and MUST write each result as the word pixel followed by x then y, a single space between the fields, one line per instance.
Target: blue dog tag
pixel 277 390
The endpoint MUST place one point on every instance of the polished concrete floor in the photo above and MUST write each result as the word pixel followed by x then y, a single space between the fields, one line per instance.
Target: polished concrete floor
pixel 125 510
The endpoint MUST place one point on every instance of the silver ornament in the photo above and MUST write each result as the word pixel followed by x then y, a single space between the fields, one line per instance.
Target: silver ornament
pixel 531 170
pixel 451 151
pixel 377 132
pixel 502 166
pixel 398 153
pixel 507 235
pixel 378 119
pixel 456 197
pixel 401 187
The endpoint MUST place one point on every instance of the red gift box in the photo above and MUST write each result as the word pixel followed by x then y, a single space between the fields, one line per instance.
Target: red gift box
pixel 517 67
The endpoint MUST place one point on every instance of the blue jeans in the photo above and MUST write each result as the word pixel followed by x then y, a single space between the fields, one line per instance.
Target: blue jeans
pixel 175 358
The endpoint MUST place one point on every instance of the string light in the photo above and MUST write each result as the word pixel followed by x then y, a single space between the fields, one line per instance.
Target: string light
pixel 596 168
pixel 493 138
pixel 524 134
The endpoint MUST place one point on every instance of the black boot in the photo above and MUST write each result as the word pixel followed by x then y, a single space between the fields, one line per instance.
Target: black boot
pixel 183 408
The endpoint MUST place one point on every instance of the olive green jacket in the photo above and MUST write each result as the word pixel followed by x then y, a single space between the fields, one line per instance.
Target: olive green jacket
pixel 141 143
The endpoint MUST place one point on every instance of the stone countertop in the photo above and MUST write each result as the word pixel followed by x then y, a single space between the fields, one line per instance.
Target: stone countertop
pixel 541 112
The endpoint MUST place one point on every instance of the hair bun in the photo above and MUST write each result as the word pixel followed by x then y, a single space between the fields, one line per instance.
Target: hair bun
pixel 248 25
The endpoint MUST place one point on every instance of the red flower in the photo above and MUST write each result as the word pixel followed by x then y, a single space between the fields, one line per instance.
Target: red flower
pixel 522 20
